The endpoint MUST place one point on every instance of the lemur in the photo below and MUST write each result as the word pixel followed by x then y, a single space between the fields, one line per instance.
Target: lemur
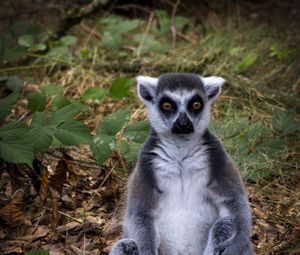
pixel 185 195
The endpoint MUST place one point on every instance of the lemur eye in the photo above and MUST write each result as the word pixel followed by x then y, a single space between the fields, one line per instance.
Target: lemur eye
pixel 196 106
pixel 166 106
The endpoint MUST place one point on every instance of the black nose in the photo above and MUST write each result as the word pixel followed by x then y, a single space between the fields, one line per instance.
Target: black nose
pixel 183 125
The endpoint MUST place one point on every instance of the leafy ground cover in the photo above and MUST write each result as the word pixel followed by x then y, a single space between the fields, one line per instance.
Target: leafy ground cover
pixel 72 125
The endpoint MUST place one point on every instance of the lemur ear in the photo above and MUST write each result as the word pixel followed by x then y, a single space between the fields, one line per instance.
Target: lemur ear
pixel 212 86
pixel 146 87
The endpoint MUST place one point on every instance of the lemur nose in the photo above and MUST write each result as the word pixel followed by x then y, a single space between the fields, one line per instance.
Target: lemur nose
pixel 183 121
pixel 183 124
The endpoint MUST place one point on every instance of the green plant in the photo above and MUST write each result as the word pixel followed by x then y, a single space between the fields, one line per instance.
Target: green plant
pixel 37 252
pixel 19 140
pixel 279 52
pixel 247 61
pixel 255 146
pixel 114 29
pixel 17 39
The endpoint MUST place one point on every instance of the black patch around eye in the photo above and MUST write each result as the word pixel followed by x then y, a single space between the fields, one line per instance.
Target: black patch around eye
pixel 166 99
pixel 195 98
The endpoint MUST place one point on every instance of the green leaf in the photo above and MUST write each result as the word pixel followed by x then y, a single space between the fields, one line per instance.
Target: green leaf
pixel 16 152
pixel 68 40
pixel 40 119
pixel 60 102
pixel 39 47
pixel 105 142
pixel 14 83
pixel 60 52
pixel 73 132
pixel 13 147
pixel 52 89
pixel 113 123
pixel 41 137
pixel 137 132
pixel 120 88
pixel 285 122
pixel 14 129
pixel 94 94
pixel 271 148
pixel 128 25
pixel 181 21
pixel 64 114
pixel 247 61
pixel 278 52
pixel 102 147
pixel 235 51
pixel 37 252
pixel 151 44
pixel 228 129
pixel 36 101
pixel 26 40
pixel 6 104
pixel 256 131
pixel 112 40
pixel 117 25
pixel 256 175
pixel 41 134
pixel 129 151
pixel 14 54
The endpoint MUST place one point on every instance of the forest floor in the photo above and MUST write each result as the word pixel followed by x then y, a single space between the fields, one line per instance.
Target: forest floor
pixel 68 204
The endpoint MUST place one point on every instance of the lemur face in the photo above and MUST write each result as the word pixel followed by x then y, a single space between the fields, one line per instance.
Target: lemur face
pixel 179 103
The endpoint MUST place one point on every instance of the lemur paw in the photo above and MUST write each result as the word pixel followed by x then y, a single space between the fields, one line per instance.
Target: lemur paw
pixel 223 230
pixel 125 247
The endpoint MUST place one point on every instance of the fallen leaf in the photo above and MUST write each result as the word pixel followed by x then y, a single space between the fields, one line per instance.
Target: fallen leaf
pixel 41 231
pixel 12 212
pixel 67 227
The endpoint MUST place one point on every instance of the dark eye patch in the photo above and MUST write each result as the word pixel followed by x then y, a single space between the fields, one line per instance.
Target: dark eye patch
pixel 166 99
pixel 194 99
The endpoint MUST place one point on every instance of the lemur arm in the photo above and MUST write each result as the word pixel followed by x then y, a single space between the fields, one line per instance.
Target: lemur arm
pixel 140 236
pixel 230 235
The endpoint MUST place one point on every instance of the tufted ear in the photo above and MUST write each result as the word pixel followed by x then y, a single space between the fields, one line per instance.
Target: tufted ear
pixel 212 86
pixel 146 88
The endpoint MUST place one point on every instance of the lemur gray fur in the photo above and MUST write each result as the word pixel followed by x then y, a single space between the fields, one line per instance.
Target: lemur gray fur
pixel 185 195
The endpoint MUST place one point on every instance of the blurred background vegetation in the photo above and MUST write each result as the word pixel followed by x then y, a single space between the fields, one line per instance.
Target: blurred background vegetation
pixel 71 124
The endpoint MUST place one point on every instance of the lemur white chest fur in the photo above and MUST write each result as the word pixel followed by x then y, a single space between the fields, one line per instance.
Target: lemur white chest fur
pixel 184 214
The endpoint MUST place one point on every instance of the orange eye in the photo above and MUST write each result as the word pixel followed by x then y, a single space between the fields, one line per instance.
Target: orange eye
pixel 196 106
pixel 166 106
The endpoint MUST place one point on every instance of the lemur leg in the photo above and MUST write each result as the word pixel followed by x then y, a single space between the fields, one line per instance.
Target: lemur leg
pixel 125 247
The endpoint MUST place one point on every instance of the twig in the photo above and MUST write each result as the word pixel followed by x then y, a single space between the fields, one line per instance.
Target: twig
pixel 121 159
pixel 92 31
pixel 38 221
pixel 76 161
pixel 64 214
pixel 60 60
pixel 173 28
pixel 185 37
pixel 21 68
pixel 145 34
pixel 97 191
